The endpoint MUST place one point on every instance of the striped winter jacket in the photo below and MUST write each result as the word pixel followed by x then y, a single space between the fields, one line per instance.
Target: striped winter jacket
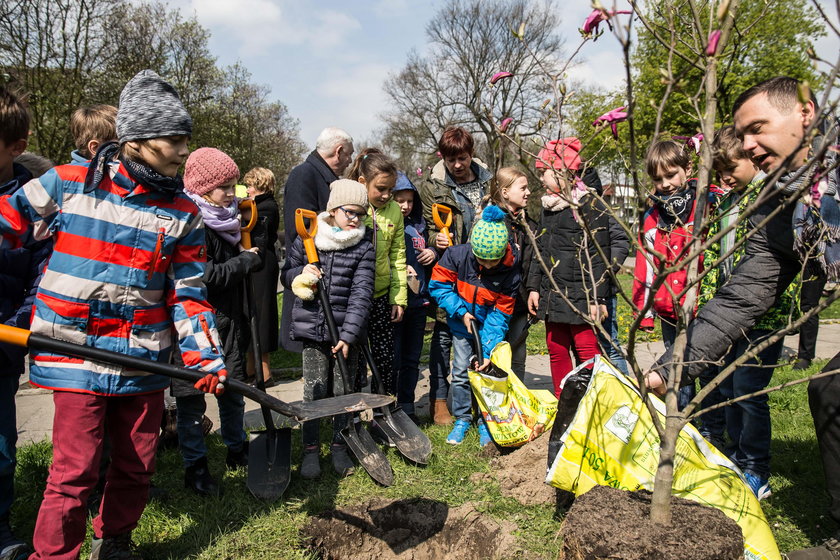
pixel 126 268
pixel 461 286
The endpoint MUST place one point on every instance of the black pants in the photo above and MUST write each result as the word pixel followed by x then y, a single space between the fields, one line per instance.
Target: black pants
pixel 812 287
pixel 824 398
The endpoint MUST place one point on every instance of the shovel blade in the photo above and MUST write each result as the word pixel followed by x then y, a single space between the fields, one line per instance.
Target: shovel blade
pixel 333 406
pixel 270 463
pixel 411 442
pixel 370 457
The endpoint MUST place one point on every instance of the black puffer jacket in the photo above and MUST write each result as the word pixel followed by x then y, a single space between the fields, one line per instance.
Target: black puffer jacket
pixel 265 279
pixel 347 261
pixel 224 276
pixel 574 261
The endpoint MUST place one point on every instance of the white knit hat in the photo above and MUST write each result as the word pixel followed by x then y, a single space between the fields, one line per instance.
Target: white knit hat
pixel 347 192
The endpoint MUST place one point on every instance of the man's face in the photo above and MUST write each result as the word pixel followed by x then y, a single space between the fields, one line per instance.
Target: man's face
pixel 769 135
pixel 459 166
pixel 344 155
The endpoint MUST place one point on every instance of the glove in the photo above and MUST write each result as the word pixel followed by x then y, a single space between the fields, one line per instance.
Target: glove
pixel 213 383
pixel 303 286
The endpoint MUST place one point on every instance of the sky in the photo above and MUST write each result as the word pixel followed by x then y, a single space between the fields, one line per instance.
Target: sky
pixel 327 60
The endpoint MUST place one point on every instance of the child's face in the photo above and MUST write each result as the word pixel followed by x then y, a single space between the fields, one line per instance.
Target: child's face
pixel 379 189
pixel 223 195
pixel 769 136
pixel 459 166
pixel 516 195
pixel 739 176
pixel 8 153
pixel 165 155
pixel 669 180
pixel 406 201
pixel 348 217
pixel 552 180
pixel 491 263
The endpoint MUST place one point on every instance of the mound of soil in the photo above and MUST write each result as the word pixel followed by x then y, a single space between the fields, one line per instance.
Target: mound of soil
pixel 416 529
pixel 521 473
pixel 610 523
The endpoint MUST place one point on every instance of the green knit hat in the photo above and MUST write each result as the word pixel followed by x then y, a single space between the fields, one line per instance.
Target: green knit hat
pixel 489 237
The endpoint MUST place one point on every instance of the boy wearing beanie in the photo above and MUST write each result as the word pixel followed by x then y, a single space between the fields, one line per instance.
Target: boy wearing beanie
pixel 210 180
pixel 125 274
pixel 476 281
pixel 345 249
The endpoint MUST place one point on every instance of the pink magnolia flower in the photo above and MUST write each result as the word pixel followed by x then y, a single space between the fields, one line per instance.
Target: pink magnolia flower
pixel 714 37
pixel 590 26
pixel 500 76
pixel 419 171
pixel 505 124
pixel 613 117
pixel 693 141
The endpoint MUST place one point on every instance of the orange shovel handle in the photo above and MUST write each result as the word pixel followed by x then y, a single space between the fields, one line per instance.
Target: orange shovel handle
pixel 248 204
pixel 307 233
pixel 442 215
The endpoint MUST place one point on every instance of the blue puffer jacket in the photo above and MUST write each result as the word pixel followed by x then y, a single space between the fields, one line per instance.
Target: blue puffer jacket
pixel 20 272
pixel 347 261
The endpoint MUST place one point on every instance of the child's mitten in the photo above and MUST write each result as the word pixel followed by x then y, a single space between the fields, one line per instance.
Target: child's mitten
pixel 303 286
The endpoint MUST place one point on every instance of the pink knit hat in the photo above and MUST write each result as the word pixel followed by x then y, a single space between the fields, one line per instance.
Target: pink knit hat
pixel 208 168
pixel 560 154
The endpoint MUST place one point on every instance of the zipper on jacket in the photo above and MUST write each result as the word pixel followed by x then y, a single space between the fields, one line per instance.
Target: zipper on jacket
pixel 156 255
pixel 206 328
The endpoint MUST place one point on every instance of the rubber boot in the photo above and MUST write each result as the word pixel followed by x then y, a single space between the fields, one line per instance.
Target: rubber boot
pixel 440 413
pixel 198 479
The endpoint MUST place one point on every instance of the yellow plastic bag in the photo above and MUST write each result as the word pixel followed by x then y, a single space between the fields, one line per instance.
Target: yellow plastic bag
pixel 612 442
pixel 514 414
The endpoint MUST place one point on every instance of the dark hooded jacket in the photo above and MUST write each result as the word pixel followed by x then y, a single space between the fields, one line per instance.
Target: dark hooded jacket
pixel 415 243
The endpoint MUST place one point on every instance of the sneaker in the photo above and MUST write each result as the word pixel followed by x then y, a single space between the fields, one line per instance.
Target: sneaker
pixel 198 479
pixel 759 486
pixel 236 459
pixel 829 550
pixel 11 547
pixel 310 467
pixel 456 436
pixel 801 363
pixel 484 437
pixel 114 548
pixel 342 463
pixel 379 435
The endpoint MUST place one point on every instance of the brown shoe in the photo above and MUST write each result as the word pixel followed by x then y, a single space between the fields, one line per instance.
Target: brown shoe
pixel 440 413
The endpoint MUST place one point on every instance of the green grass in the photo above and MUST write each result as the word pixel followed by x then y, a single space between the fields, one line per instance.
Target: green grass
pixel 237 526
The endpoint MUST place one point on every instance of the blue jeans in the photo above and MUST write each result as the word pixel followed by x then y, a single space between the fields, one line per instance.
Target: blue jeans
pixel 669 334
pixel 748 421
pixel 610 347
pixel 408 344
pixel 8 440
pixel 439 352
pixel 461 391
pixel 190 434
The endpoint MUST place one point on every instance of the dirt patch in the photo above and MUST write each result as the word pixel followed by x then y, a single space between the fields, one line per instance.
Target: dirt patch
pixel 521 473
pixel 610 523
pixel 416 529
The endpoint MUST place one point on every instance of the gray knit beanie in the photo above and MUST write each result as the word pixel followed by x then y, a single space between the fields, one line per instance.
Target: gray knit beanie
pixel 150 108
pixel 347 192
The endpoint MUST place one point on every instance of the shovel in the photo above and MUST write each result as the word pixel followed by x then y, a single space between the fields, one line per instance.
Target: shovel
pixel 442 216
pixel 358 439
pixel 409 439
pixel 270 450
pixel 492 370
pixel 300 411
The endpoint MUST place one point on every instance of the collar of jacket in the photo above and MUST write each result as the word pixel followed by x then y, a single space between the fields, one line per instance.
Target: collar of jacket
pixel 477 166
pixel 327 239
pixel 321 165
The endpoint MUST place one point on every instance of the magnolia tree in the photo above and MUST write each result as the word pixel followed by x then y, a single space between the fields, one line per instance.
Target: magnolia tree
pixel 698 37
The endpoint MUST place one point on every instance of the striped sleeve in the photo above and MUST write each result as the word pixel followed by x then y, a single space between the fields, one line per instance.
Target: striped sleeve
pixel 186 297
pixel 30 212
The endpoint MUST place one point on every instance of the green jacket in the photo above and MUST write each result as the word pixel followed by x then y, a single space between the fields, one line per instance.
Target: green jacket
pixel 389 244
pixel 440 188
pixel 787 308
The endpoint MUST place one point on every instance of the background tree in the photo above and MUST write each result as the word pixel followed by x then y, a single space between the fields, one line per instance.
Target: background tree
pixel 469 41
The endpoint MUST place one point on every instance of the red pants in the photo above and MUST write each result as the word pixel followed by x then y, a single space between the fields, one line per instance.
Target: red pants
pixel 133 424
pixel 561 338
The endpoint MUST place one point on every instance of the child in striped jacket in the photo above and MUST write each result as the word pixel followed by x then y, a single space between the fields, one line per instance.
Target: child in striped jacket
pixel 126 272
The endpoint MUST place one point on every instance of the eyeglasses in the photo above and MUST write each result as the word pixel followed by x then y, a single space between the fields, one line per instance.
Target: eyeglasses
pixel 351 215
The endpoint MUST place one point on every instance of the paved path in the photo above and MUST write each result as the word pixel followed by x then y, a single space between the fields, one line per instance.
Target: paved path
pixel 35 407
